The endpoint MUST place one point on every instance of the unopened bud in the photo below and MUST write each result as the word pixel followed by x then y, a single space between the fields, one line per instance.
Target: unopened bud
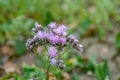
pixel 79 47
pixel 61 66
pixel 30 47
pixel 36 44
pixel 35 38
pixel 34 30
pixel 60 61
pixel 39 27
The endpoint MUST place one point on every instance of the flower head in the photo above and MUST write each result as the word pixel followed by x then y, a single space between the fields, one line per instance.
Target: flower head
pixel 52 51
pixel 63 27
pixel 53 61
pixel 53 39
pixel 46 35
pixel 61 30
pixel 62 40
pixel 52 25
pixel 40 34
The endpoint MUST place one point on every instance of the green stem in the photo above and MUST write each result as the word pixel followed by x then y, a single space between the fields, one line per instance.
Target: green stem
pixel 39 58
pixel 47 78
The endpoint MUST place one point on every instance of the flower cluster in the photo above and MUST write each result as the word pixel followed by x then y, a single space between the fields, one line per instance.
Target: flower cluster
pixel 54 39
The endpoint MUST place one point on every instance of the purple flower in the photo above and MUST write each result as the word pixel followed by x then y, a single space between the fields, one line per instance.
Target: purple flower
pixel 40 34
pixel 52 51
pixel 52 25
pixel 62 40
pixel 53 61
pixel 46 35
pixel 63 27
pixel 61 30
pixel 53 39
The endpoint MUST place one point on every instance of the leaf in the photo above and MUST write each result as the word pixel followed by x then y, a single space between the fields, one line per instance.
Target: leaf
pixel 75 76
pixel 18 77
pixel 117 41
pixel 1 39
pixel 102 71
pixel 105 70
pixel 98 72
pixel 80 61
pixel 102 33
pixel 40 74
pixel 28 71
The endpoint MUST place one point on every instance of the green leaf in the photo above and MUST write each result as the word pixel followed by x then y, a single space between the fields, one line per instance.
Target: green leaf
pixel 102 71
pixel 1 39
pixel 105 70
pixel 102 33
pixel 40 74
pixel 98 72
pixel 117 41
pixel 80 61
pixel 75 76
pixel 18 77
pixel 28 71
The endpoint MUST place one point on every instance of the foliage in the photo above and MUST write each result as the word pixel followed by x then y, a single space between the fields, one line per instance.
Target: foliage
pixel 101 70
pixel 117 41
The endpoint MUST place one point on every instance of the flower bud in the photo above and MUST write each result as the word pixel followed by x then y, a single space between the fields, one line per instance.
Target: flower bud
pixel 60 61
pixel 61 66
pixel 53 61
pixel 79 47
pixel 30 47
pixel 39 27
pixel 34 30
pixel 36 43
pixel 35 38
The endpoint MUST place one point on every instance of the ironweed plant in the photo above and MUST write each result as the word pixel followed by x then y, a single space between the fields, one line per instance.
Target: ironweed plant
pixel 55 41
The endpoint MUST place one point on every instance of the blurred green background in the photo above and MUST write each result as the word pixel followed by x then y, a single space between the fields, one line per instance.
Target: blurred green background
pixel 17 17
pixel 85 18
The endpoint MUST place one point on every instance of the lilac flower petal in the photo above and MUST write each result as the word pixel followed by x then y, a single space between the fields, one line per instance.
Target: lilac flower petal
pixel 62 40
pixel 53 61
pixel 39 35
pixel 52 51
pixel 63 27
pixel 52 25
pixel 46 35
pixel 53 39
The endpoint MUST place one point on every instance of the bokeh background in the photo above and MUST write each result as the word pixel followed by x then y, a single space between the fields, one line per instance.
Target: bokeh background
pixel 95 22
